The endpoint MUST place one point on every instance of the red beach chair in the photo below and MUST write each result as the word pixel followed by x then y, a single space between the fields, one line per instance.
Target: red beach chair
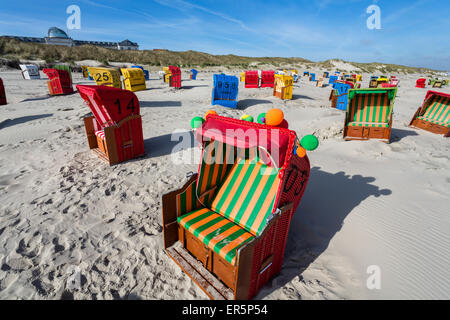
pixel 227 226
pixel 175 77
pixel 420 83
pixel 252 79
pixel 267 78
pixel 59 83
pixel 115 130
pixel 434 114
pixel 2 93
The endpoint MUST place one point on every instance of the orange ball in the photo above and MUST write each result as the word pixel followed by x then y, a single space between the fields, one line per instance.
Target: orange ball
pixel 274 117
pixel 301 152
pixel 210 112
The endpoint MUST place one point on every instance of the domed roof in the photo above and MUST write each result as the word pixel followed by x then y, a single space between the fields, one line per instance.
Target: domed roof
pixel 55 32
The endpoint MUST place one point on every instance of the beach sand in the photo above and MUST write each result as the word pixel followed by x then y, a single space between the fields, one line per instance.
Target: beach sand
pixel 73 227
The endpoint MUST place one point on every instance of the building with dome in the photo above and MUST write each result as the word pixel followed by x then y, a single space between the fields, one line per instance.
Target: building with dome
pixel 56 36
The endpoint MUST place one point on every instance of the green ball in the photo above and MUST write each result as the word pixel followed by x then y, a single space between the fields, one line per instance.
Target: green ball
pixel 247 118
pixel 197 122
pixel 309 142
pixel 262 118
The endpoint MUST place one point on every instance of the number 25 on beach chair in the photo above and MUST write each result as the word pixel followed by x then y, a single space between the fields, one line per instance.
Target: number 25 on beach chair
pixel 2 94
pixel 59 82
pixel 369 114
pixel 225 91
pixel 434 114
pixel 115 130
pixel 227 226
pixel 109 77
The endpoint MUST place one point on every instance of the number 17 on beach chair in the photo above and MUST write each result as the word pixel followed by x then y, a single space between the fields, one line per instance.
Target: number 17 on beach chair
pixel 115 130
pixel 227 226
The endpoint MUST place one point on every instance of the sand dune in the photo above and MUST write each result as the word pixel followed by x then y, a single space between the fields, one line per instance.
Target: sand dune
pixel 67 216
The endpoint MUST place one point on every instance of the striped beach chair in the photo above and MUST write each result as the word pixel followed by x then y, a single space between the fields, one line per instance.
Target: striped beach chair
pixel 227 227
pixel 369 114
pixel 114 131
pixel 434 114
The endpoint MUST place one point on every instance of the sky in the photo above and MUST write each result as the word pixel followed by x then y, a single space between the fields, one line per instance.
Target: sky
pixel 414 33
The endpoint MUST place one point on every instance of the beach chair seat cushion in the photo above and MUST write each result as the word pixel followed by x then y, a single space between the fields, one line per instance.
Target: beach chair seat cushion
pixel 369 124
pixel 100 134
pixel 247 195
pixel 217 233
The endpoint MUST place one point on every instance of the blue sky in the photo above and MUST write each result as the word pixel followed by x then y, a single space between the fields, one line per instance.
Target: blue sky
pixel 415 32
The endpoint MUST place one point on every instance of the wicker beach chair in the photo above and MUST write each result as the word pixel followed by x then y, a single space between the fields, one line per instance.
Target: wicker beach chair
pixel 434 114
pixel 114 131
pixel 225 91
pixel 59 82
pixel 109 77
pixel 227 226
pixel 133 79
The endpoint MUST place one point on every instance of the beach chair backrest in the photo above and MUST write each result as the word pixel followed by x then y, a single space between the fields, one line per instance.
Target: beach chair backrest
pixel 109 105
pixel 371 105
pixel 225 87
pixel 106 76
pixel 251 78
pixel 267 77
pixel 30 71
pixel 134 79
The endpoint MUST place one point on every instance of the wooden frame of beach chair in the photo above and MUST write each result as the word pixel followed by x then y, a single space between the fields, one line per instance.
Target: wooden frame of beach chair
pixel 133 79
pixel 2 94
pixel 231 256
pixel 267 78
pixel 283 87
pixel 59 82
pixel 175 77
pixel 434 114
pixel 109 77
pixel 251 79
pixel 225 91
pixel 369 114
pixel 114 131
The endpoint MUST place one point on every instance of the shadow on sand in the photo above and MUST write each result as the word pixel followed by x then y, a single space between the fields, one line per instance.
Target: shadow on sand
pixel 328 199
pixel 13 122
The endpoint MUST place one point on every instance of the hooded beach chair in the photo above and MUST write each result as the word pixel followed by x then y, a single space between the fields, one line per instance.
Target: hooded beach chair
pixel 284 86
pixel 225 91
pixel 64 67
pixel 312 77
pixel 175 77
pixel 295 77
pixel 332 80
pixel 319 82
pixel 251 79
pixel 115 130
pixel 267 78
pixel 306 73
pixel 194 74
pixel 339 95
pixel 30 71
pixel 394 81
pixel 166 74
pixel 242 77
pixel 2 94
pixel 434 114
pixel 59 82
pixel 369 114
pixel 437 84
pixel 133 79
pixel 326 75
pixel 109 77
pixel 227 226
pixel 85 72
pixel 373 82
pixel 146 72
pixel 382 80
pixel 420 83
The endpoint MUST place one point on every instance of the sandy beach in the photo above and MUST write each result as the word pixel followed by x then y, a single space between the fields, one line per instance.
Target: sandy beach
pixel 65 214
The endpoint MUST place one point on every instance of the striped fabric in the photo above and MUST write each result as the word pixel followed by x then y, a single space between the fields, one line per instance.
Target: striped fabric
pixel 438 112
pixel 218 159
pixel 187 201
pixel 100 134
pixel 370 110
pixel 248 194
pixel 100 112
pixel 216 232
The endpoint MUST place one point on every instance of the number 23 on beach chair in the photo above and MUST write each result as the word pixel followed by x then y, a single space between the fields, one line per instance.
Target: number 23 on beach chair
pixel 227 227
pixel 115 130
pixel 434 114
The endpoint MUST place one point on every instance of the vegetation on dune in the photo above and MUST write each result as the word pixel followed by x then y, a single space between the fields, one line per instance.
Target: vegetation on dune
pixel 12 50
